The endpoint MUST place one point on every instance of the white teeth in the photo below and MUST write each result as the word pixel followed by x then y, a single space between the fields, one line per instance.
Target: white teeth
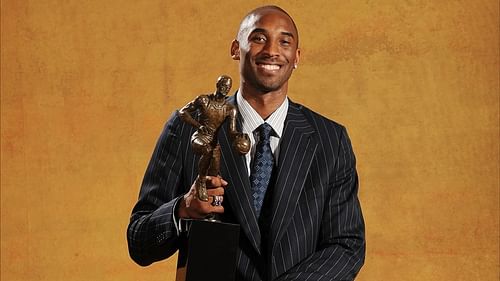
pixel 270 66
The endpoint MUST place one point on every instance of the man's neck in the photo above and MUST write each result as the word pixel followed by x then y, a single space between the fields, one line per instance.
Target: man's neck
pixel 264 103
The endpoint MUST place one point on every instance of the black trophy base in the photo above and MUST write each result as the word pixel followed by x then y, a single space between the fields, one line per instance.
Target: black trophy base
pixel 209 252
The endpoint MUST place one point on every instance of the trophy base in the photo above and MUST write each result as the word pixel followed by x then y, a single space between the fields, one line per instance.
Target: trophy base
pixel 209 252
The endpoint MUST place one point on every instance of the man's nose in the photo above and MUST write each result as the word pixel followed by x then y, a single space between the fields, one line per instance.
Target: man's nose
pixel 271 48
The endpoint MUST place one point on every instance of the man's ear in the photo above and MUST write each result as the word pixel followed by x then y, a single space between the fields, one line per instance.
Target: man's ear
pixel 235 50
pixel 297 58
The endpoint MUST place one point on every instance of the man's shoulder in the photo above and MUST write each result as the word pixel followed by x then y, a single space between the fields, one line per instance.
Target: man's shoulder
pixel 317 120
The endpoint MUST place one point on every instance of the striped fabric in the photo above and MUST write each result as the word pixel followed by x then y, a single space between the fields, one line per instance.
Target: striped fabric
pixel 316 229
pixel 251 120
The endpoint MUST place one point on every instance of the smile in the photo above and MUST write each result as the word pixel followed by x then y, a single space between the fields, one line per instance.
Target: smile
pixel 269 66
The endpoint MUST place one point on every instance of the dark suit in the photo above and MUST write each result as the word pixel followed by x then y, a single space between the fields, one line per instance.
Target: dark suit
pixel 311 227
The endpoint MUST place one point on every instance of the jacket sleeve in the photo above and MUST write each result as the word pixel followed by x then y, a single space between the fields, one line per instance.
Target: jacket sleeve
pixel 341 248
pixel 151 233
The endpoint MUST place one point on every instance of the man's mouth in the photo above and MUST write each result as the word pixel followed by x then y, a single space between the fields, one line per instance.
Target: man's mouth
pixel 270 67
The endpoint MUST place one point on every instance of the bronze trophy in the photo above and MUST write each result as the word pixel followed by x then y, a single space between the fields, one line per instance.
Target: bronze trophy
pixel 213 111
pixel 196 256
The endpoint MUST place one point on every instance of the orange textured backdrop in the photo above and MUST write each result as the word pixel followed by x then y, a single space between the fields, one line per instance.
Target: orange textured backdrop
pixel 86 87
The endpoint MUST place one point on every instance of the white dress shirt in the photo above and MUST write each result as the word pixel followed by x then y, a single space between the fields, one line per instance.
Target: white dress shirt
pixel 251 120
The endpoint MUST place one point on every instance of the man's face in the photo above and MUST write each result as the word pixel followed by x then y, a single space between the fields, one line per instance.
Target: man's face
pixel 267 48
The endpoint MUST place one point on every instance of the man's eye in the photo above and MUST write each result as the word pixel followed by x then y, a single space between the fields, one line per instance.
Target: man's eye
pixel 259 39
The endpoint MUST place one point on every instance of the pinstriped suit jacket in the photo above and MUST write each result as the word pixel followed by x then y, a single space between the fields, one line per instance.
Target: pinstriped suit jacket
pixel 315 228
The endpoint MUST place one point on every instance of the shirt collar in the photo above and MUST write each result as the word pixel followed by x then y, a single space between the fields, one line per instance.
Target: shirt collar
pixel 252 120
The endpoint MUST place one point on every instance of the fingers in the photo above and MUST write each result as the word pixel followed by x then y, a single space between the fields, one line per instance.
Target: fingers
pixel 200 209
pixel 214 182
pixel 197 209
pixel 216 200
pixel 192 207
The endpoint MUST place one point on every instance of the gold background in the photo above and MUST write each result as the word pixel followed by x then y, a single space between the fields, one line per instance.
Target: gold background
pixel 86 87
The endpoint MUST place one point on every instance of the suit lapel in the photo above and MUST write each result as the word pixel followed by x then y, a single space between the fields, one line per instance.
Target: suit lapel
pixel 297 149
pixel 234 171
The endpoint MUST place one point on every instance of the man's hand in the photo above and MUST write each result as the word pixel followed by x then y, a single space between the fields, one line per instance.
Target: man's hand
pixel 192 208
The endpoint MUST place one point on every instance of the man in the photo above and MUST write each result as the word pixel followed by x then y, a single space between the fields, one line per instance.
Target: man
pixel 303 220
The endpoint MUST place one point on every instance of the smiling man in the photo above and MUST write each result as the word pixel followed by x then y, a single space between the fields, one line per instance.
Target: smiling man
pixel 294 195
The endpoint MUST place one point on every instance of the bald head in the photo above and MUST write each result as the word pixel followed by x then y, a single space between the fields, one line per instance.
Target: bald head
pixel 253 15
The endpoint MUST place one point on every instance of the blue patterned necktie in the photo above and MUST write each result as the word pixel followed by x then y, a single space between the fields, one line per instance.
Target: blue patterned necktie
pixel 262 167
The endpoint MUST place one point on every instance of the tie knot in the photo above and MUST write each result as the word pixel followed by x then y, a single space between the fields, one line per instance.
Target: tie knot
pixel 265 131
